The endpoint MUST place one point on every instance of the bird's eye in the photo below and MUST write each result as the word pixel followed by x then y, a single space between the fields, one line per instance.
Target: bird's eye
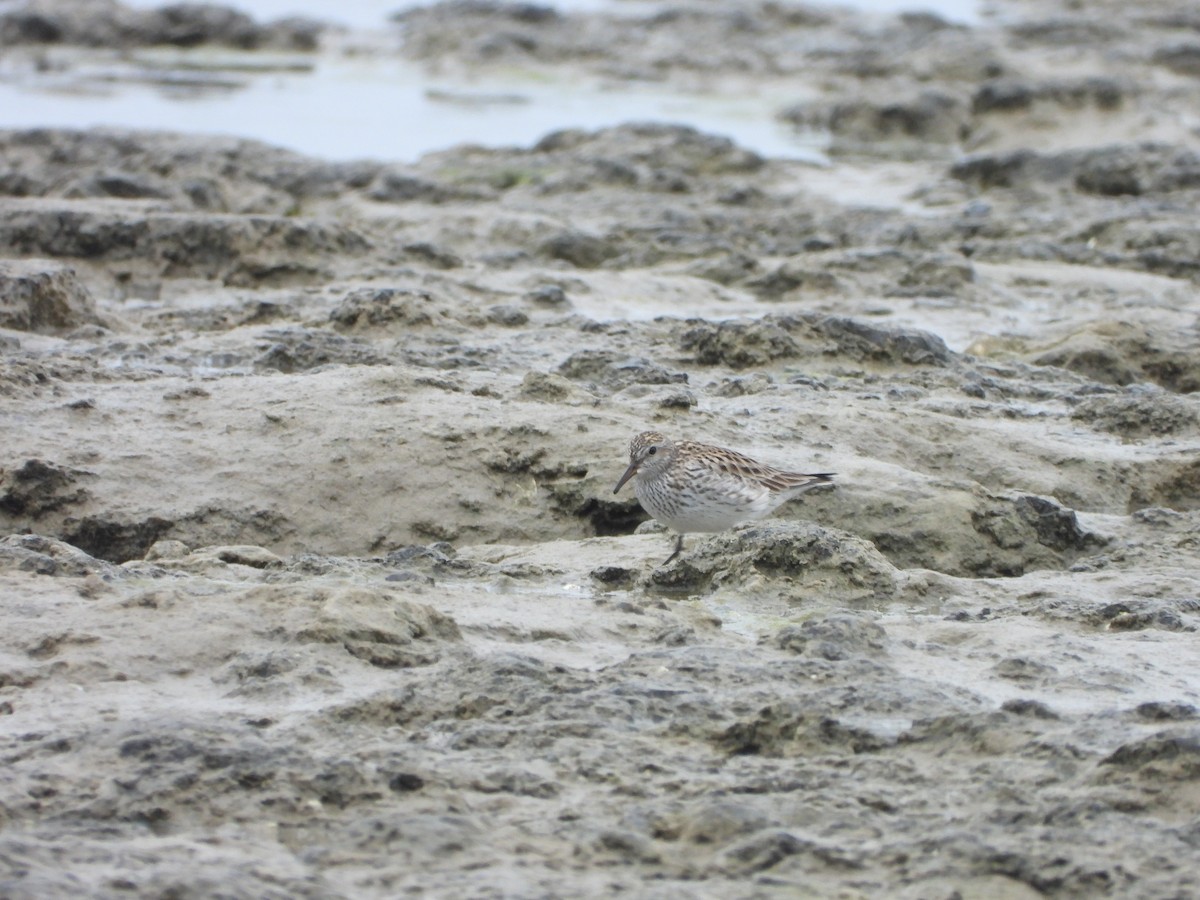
pixel 652 451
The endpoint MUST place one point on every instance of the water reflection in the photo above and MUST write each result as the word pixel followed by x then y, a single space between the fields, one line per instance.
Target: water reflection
pixel 346 105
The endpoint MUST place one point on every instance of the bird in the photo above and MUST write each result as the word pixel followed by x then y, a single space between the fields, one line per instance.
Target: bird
pixel 690 487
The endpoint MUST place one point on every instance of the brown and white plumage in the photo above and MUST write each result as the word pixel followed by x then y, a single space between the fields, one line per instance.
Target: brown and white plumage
pixel 689 486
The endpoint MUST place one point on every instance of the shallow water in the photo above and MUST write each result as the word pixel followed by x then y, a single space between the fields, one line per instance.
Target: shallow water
pixel 347 109
pixel 370 13
pixel 356 106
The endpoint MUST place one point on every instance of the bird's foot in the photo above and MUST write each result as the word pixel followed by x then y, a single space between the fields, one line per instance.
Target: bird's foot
pixel 678 550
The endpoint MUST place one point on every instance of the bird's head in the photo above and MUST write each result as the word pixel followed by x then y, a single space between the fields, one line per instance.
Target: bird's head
pixel 649 452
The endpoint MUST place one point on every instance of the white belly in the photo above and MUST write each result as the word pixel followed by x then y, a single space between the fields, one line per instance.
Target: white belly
pixel 704 509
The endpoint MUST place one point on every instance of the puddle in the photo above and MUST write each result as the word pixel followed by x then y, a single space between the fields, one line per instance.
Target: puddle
pixel 344 106
pixel 372 13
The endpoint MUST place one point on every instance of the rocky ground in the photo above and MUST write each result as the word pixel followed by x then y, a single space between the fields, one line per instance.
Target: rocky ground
pixel 316 584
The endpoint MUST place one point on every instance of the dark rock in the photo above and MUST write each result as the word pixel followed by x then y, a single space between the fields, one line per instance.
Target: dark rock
pixel 110 24
pixel 762 851
pixel 1165 711
pixel 1113 174
pixel 422 560
pixel 508 316
pixel 291 350
pixel 192 24
pixel 405 782
pixel 836 636
pixel 786 729
pixel 370 307
pixel 1138 615
pixel 546 387
pixel 236 249
pixel 930 118
pixel 243 555
pixel 1010 95
pixel 1166 245
pixel 399 187
pixel 548 295
pixel 299 33
pixel 43 296
pixel 938 275
pixel 1112 171
pixel 1169 756
pixel 431 255
pixel 341 784
pixel 204 194
pixel 636 146
pixel 606 517
pixel 1026 707
pixel 112 540
pixel 1138 413
pixel 1002 95
pixel 1183 59
pixel 677 399
pixel 791 276
pixel 583 250
pixel 1003 170
pixel 964 732
pixel 1019 668
pixel 1059 31
pixel 122 185
pixel 249 668
pixel 974 534
pixel 604 367
pixel 254 177
pixel 1055 526
pixel 865 341
pixel 738 345
pixel 30 26
pixel 47 556
pixel 1025 533
pixel 613 576
pixel 37 488
pixel 728 268
pixel 849 568
pixel 745 385
pixel 159 748
pixel 628 846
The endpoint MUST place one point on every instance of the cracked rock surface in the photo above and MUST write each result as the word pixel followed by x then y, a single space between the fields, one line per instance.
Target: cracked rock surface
pixel 313 580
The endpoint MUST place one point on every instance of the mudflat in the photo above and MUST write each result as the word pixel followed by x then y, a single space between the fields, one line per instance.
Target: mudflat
pixel 313 583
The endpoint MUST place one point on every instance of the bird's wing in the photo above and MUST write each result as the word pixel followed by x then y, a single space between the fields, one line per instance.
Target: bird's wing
pixel 741 466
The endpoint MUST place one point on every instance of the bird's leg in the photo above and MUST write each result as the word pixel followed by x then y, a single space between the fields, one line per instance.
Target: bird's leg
pixel 678 550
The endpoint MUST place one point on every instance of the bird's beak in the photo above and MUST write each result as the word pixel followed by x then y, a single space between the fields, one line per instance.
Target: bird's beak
pixel 629 473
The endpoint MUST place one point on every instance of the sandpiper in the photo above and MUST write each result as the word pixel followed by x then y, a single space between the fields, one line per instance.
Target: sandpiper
pixel 690 486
